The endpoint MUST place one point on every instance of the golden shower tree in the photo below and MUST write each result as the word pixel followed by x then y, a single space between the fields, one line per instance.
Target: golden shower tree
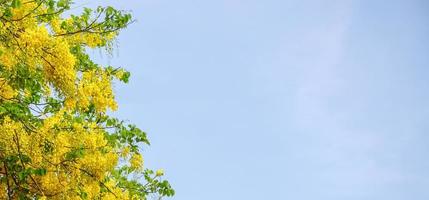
pixel 56 139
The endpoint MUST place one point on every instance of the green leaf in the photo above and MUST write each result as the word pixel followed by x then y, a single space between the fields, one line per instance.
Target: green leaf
pixel 7 13
pixel 39 171
pixel 16 3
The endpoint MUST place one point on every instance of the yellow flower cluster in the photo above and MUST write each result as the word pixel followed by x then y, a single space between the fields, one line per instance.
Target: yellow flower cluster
pixel 6 91
pixel 136 161
pixel 65 173
pixel 37 46
pixel 7 58
pixel 94 88
pixel 53 54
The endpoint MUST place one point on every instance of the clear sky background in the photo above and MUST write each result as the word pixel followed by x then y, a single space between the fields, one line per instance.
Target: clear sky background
pixel 278 99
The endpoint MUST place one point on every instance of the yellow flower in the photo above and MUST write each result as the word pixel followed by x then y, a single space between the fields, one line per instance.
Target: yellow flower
pixel 136 161
pixel 159 172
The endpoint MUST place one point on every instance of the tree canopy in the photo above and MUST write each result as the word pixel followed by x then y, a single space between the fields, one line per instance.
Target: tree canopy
pixel 57 140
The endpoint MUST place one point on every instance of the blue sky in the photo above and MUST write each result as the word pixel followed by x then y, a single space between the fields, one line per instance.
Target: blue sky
pixel 282 99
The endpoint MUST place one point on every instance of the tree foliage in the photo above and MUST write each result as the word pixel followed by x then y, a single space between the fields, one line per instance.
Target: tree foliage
pixel 56 139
